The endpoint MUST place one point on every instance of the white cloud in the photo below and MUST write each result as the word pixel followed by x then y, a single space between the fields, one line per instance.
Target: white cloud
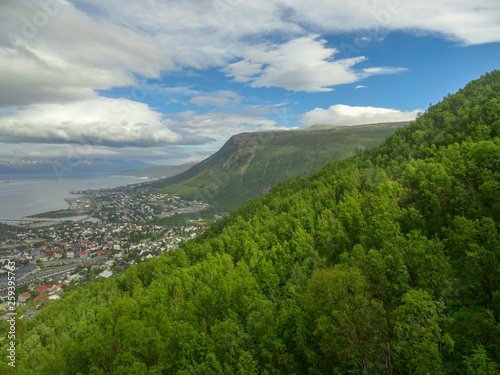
pixel 302 64
pixel 62 54
pixel 222 22
pixel 98 121
pixel 224 99
pixel 244 71
pixel 368 72
pixel 341 114
pixel 360 87
pixel 469 22
pixel 215 126
pixel 57 50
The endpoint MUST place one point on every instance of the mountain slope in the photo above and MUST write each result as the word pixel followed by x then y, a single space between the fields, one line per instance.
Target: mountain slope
pixel 249 164
pixel 386 262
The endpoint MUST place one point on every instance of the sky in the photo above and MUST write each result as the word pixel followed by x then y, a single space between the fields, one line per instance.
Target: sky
pixel 170 81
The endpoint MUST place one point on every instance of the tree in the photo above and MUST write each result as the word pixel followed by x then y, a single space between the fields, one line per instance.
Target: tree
pixel 346 321
pixel 420 339
pixel 478 363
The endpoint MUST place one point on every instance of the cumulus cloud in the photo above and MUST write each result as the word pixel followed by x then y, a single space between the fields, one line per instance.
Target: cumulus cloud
pixel 302 64
pixel 224 99
pixel 341 114
pixel 98 121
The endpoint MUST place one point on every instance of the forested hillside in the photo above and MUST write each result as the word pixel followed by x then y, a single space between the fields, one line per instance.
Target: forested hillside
pixel 249 164
pixel 383 263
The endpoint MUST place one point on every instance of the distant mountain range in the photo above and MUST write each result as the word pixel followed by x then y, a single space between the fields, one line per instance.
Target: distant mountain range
pixel 76 167
pixel 249 164
pixel 158 171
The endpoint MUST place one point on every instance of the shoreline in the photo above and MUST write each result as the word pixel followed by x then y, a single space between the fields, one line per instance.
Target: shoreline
pixel 31 195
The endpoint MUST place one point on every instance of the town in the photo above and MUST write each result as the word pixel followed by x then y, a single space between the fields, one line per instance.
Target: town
pixel 125 229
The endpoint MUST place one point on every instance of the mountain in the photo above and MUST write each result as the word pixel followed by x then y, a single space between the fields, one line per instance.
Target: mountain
pixel 387 262
pixel 78 166
pixel 158 171
pixel 249 164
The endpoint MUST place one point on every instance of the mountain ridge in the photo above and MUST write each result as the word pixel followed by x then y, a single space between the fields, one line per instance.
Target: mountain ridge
pixel 249 164
pixel 76 166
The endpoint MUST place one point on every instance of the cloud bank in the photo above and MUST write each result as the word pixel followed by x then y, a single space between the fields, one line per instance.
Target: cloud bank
pixel 341 114
pixel 99 121
pixel 201 128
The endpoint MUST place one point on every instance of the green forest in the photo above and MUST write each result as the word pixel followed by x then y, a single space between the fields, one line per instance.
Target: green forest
pixel 387 262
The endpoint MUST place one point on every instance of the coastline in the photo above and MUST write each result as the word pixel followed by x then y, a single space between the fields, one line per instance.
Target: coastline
pixel 29 195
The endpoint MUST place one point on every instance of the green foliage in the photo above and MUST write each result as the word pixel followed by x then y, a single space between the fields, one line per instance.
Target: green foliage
pixel 348 323
pixel 8 230
pixel 386 262
pixel 419 337
pixel 478 363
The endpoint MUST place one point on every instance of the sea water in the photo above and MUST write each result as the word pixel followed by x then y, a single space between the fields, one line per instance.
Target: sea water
pixel 23 195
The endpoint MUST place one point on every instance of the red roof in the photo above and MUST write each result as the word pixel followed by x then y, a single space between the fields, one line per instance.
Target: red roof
pixel 83 252
pixel 26 294
pixel 42 295
pixel 44 287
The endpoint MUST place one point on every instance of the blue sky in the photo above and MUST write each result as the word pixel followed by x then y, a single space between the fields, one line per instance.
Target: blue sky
pixel 168 81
